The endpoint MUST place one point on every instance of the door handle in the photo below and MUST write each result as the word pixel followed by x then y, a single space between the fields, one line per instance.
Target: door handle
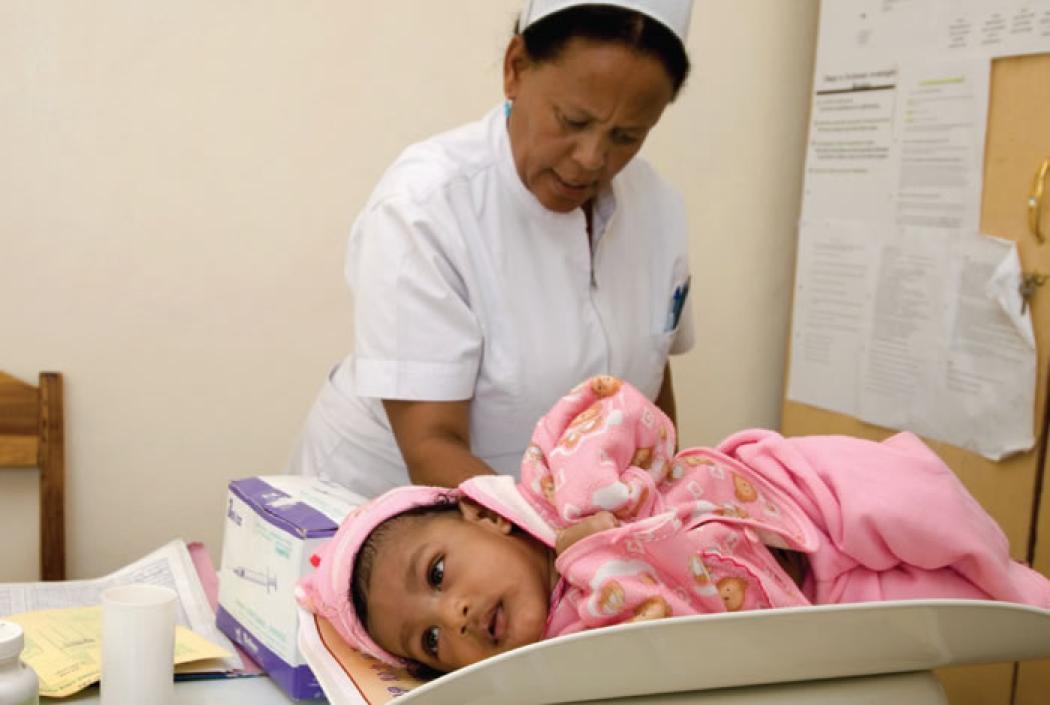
pixel 1035 201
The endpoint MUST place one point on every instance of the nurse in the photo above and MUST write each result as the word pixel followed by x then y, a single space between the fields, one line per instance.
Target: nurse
pixel 496 265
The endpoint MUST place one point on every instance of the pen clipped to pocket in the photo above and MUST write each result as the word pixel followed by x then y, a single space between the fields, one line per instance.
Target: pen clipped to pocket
pixel 674 312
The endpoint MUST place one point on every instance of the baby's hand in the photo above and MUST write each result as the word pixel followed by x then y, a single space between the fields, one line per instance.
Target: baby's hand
pixel 602 521
pixel 653 608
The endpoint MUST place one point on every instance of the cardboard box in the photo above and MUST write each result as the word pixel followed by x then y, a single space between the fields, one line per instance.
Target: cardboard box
pixel 273 525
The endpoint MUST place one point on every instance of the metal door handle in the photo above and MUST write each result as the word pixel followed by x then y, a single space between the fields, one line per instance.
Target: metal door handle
pixel 1035 201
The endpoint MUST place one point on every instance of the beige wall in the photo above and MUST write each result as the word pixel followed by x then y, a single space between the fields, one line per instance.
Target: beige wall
pixel 177 180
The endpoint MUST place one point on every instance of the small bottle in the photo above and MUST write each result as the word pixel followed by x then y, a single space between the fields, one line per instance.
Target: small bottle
pixel 18 682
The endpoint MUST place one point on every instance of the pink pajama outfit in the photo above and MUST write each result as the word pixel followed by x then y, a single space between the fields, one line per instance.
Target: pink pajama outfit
pixel 878 521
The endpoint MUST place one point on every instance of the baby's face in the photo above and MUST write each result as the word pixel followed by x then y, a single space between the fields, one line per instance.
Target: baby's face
pixel 454 588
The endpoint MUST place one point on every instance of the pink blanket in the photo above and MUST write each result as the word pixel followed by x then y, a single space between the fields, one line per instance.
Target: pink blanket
pixel 877 520
pixel 894 521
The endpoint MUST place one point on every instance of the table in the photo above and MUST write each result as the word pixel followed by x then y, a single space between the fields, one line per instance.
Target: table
pixel 251 690
pixel 898 688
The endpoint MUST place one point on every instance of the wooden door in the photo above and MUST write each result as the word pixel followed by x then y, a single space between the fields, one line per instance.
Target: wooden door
pixel 1033 679
pixel 1017 142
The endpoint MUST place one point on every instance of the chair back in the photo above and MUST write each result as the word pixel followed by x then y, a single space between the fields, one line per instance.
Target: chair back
pixel 32 435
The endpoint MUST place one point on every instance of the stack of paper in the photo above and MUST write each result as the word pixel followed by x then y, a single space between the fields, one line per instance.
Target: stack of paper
pixel 63 621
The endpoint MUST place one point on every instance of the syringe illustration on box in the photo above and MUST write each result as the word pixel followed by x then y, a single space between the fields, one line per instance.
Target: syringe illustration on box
pixel 266 579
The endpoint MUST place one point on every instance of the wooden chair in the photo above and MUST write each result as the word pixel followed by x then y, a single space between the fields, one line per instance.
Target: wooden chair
pixel 31 435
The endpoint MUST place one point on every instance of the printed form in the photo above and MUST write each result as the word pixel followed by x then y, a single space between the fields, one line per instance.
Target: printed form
pixel 904 315
pixel 44 604
pixel 64 647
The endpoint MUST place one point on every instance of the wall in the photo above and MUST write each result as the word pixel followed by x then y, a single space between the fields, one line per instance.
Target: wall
pixel 177 181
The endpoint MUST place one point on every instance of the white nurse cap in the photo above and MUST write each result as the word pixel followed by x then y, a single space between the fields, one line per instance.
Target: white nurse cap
pixel 673 14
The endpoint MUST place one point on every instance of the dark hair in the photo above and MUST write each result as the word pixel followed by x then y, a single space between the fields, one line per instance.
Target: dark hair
pixel 546 38
pixel 364 562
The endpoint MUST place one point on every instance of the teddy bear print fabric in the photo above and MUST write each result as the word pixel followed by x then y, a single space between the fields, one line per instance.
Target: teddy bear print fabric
pixel 876 520
pixel 694 527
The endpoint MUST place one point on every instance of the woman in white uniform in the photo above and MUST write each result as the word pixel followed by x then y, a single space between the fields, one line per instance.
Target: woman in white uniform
pixel 497 265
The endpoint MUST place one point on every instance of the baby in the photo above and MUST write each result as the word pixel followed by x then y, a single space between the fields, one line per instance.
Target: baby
pixel 609 525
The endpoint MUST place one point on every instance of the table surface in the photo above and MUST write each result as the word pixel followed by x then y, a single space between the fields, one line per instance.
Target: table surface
pixel 252 690
pixel 903 688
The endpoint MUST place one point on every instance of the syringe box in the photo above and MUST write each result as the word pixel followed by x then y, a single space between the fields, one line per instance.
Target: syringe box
pixel 273 525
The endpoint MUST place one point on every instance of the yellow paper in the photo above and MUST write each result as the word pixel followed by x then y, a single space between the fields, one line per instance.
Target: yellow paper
pixel 64 647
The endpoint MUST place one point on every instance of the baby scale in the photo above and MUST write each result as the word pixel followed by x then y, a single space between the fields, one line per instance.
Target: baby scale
pixel 857 653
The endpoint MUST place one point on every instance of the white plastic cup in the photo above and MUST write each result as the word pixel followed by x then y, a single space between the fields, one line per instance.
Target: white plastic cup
pixel 138 645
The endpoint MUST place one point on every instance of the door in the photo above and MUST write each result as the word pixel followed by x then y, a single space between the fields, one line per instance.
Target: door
pixel 1033 680
pixel 1018 139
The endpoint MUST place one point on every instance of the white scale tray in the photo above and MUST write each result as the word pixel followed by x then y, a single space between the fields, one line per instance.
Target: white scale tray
pixel 730 650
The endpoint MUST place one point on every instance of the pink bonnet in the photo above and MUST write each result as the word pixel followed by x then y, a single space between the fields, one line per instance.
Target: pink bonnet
pixel 326 591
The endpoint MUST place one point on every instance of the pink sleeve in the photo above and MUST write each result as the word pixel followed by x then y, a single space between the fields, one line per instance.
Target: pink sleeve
pixel 653 568
pixel 598 449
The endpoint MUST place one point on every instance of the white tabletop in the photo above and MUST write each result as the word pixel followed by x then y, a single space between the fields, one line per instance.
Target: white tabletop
pixel 252 690
pixel 899 688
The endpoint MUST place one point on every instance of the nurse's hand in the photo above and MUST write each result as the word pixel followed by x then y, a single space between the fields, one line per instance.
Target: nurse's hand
pixel 665 400
pixel 434 438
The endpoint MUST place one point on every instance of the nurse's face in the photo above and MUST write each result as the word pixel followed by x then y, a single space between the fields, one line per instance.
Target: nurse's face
pixel 579 118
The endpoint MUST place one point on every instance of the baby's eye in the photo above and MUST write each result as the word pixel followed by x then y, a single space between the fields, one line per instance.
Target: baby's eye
pixel 430 641
pixel 436 573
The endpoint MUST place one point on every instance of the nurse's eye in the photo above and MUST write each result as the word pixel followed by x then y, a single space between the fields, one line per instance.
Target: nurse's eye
pixel 436 573
pixel 624 138
pixel 430 641
pixel 573 124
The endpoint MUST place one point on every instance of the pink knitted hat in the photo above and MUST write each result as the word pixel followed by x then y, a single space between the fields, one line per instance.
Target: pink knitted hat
pixel 326 591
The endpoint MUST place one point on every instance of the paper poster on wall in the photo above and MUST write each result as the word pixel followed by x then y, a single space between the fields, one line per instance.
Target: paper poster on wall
pixel 852 162
pixel 898 146
pixel 939 136
pixel 858 31
pixel 918 329
pixel 950 356
pixel 895 319
pixel 991 29
pixel 833 285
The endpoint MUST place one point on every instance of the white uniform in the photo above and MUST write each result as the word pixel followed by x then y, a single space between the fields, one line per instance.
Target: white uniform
pixel 466 287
